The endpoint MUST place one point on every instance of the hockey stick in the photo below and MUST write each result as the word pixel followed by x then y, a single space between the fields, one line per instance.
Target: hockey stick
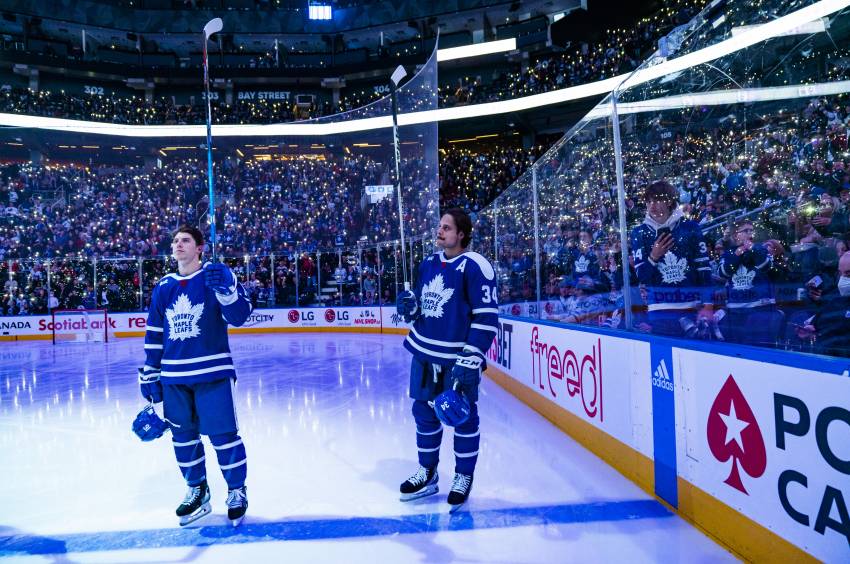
pixel 213 26
pixel 396 77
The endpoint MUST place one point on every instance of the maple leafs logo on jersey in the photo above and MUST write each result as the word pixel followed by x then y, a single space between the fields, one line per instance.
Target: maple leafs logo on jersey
pixel 743 279
pixel 673 268
pixel 434 297
pixel 183 319
pixel 582 264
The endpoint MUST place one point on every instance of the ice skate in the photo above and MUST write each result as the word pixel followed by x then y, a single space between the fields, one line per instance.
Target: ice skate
pixel 461 487
pixel 237 505
pixel 421 484
pixel 195 505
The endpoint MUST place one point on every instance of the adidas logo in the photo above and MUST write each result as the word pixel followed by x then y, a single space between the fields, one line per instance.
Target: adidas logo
pixel 582 264
pixel 673 268
pixel 661 378
pixel 743 279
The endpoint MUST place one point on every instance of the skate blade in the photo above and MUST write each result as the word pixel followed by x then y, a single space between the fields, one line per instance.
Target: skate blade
pixel 425 492
pixel 237 521
pixel 202 511
pixel 455 508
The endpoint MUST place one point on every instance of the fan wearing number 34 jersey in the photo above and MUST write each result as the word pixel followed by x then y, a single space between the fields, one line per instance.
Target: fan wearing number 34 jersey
pixel 454 314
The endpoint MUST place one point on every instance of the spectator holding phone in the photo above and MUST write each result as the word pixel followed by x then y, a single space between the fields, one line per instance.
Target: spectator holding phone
pixel 829 328
pixel 671 260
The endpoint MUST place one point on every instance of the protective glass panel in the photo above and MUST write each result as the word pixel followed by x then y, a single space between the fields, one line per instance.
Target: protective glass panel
pixel 281 189
pixel 746 247
pixel 118 284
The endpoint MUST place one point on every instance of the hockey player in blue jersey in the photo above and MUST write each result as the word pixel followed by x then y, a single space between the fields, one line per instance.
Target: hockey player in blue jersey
pixel 671 260
pixel 188 367
pixel 454 311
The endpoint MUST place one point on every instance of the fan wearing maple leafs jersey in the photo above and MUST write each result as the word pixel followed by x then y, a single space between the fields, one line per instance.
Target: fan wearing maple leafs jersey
pixel 671 261
pixel 454 310
pixel 750 301
pixel 189 368
pixel 585 265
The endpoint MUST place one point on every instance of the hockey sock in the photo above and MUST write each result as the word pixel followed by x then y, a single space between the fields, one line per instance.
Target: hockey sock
pixel 429 434
pixel 190 457
pixel 231 458
pixel 466 440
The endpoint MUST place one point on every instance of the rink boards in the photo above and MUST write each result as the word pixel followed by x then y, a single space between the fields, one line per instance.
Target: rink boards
pixel 342 319
pixel 770 479
pixel 750 445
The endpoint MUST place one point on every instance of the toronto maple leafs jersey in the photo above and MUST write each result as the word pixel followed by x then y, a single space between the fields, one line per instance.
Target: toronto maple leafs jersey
pixel 186 338
pixel 682 278
pixel 458 307
pixel 748 278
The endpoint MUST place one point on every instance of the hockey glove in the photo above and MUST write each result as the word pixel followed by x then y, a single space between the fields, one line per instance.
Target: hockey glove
pixel 150 386
pixel 466 373
pixel 219 278
pixel 407 306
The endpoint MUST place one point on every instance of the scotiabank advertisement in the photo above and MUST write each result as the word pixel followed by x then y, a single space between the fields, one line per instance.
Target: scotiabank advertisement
pixel 594 377
pixel 121 324
pixel 772 442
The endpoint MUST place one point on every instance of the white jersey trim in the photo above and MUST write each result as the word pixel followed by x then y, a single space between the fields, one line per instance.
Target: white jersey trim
pixel 483 264
pixel 483 327
pixel 197 372
pixel 485 310
pixel 227 299
pixel 153 347
pixel 435 341
pixel 430 353
pixel 195 359
pixel 154 329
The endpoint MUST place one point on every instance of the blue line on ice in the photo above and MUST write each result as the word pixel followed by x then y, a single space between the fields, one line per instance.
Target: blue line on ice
pixel 336 528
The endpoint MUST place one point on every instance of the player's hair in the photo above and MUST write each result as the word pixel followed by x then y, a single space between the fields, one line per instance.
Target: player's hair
pixel 663 191
pixel 191 230
pixel 463 224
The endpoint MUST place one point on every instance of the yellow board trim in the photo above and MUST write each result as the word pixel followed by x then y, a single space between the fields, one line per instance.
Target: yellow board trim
pixel 740 534
pixel 235 330
pixel 726 526
pixel 632 464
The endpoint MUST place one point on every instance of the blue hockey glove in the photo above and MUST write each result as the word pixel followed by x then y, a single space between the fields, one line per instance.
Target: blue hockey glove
pixel 219 278
pixel 466 373
pixel 407 306
pixel 150 386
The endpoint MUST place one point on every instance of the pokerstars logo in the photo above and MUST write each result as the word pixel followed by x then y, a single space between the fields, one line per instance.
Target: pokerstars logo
pixel 293 316
pixel 734 433
pixel 330 316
